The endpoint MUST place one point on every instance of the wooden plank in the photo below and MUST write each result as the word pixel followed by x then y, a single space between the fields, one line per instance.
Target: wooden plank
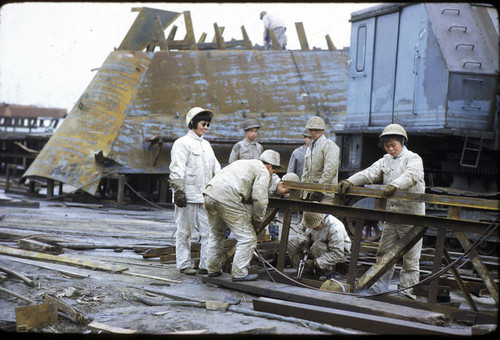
pixel 46 266
pixel 98 265
pixel 110 329
pixel 364 322
pixel 328 299
pixel 20 276
pixel 34 245
pixel 74 314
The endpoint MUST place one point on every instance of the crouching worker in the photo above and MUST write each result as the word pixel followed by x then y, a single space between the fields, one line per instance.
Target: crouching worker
pixel 238 196
pixel 325 241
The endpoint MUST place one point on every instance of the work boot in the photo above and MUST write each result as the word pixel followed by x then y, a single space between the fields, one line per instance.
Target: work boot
pixel 189 271
pixel 219 273
pixel 202 271
pixel 249 277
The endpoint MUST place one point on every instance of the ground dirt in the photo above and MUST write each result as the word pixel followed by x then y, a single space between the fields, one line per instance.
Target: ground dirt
pixel 114 298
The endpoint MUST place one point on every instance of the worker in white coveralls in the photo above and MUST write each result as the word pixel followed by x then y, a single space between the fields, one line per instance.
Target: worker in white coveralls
pixel 321 161
pixel 398 169
pixel 272 22
pixel 325 241
pixel 193 164
pixel 238 196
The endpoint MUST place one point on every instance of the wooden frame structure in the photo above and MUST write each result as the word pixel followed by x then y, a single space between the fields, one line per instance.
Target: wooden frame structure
pixel 451 222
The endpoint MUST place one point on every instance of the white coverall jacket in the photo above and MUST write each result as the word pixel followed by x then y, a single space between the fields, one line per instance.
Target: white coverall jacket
pixel 329 245
pixel 236 196
pixel 321 163
pixel 276 24
pixel 245 150
pixel 193 164
pixel 406 172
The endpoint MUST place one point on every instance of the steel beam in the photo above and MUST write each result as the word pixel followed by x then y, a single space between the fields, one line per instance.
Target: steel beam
pixel 353 320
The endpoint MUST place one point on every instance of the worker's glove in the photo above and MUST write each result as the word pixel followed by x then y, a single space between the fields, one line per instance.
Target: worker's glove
pixel 389 190
pixel 309 266
pixel 316 196
pixel 180 199
pixel 343 186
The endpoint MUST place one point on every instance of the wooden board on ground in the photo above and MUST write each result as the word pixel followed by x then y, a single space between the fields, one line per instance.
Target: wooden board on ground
pixel 329 299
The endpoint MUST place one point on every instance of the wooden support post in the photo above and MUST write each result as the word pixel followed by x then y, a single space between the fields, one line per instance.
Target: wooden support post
pixel 221 44
pixel 171 35
pixel 160 35
pixel 356 246
pixel 163 189
pixel 247 42
pixel 189 38
pixel 284 239
pixel 391 257
pixel 50 188
pixel 479 266
pixel 438 256
pixel 460 282
pixel 304 45
pixel 275 43
pixel 120 195
pixel 202 38
pixel 329 43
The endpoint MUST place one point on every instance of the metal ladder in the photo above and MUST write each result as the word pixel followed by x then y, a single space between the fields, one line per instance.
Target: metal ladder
pixel 472 150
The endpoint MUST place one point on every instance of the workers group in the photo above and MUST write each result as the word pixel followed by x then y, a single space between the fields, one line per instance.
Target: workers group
pixel 234 199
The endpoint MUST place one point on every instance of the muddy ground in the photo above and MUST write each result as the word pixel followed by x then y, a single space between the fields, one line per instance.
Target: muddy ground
pixel 118 299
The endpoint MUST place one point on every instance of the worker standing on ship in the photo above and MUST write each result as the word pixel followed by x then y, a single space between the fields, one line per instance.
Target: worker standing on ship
pixel 193 164
pixel 272 22
pixel 398 169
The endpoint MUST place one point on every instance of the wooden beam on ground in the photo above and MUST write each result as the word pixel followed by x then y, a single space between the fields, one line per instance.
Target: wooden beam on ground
pixel 19 296
pixel 74 314
pixel 353 320
pixel 45 266
pixel 328 299
pixel 20 276
pixel 42 247
pixel 98 265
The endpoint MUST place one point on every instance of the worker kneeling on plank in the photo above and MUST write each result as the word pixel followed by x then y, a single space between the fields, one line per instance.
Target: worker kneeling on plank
pixel 193 164
pixel 238 196
pixel 398 169
pixel 325 241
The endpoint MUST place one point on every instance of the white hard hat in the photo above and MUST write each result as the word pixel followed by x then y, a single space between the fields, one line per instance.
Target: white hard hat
pixel 195 111
pixel 311 219
pixel 291 177
pixel 316 123
pixel 271 157
pixel 394 129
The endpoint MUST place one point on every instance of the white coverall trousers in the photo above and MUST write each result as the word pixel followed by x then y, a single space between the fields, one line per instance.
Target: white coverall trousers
pixel 409 274
pixel 240 223
pixel 192 216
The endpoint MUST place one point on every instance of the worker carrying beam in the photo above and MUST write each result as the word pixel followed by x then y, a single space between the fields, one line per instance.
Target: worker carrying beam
pixel 324 239
pixel 398 169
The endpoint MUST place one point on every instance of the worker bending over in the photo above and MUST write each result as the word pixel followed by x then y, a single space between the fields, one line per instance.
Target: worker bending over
pixel 238 196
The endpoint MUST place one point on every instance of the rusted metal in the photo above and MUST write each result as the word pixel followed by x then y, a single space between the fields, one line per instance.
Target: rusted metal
pixel 136 95
pixel 364 322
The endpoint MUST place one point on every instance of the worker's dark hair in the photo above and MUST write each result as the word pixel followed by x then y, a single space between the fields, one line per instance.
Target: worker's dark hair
pixel 193 124
pixel 274 166
pixel 382 140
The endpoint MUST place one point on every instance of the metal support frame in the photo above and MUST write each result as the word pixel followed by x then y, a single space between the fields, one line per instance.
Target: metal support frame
pixel 452 222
